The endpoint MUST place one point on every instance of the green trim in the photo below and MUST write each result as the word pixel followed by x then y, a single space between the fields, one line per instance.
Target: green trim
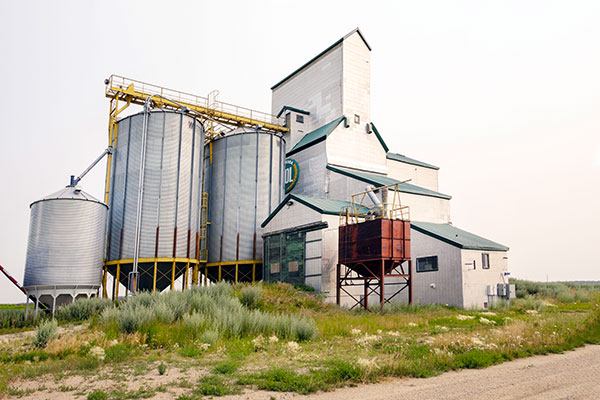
pixel 322 206
pixel 321 54
pixel 316 136
pixel 457 237
pixel 294 109
pixel 315 226
pixel 379 138
pixel 382 180
pixel 402 158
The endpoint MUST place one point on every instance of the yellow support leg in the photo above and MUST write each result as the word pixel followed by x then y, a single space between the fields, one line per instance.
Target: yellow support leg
pixel 104 278
pixel 205 275
pixel 219 273
pixel 253 273
pixel 195 275
pixel 154 276
pixel 173 276
pixel 186 276
pixel 236 273
pixel 117 276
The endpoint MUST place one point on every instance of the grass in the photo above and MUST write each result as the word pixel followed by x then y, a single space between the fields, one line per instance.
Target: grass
pixel 280 338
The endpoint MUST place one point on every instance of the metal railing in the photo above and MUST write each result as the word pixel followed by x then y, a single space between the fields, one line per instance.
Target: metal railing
pixel 387 208
pixel 119 85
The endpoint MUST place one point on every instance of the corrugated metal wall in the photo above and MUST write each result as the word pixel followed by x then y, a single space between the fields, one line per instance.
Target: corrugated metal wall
pixel 66 241
pixel 171 181
pixel 245 182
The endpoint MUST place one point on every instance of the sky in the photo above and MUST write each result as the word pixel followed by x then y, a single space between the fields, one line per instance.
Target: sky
pixel 503 96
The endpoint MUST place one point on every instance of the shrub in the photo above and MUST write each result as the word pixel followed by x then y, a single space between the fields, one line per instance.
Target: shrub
pixel 304 329
pixel 118 352
pixel 213 386
pixel 194 321
pixel 250 296
pixel 209 336
pixel 46 331
pixel 15 318
pixel 129 319
pixel 83 309
pixel 226 368
pixel 97 395
pixel 528 302
pixel 208 312
pixel 162 368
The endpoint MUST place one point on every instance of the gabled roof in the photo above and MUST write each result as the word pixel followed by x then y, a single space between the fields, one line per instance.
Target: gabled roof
pixel 407 160
pixel 285 108
pixel 379 138
pixel 316 136
pixel 457 237
pixel 382 180
pixel 323 206
pixel 321 54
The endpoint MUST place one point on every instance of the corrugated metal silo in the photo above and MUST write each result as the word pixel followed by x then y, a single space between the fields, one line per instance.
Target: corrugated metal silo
pixel 170 203
pixel 66 246
pixel 245 184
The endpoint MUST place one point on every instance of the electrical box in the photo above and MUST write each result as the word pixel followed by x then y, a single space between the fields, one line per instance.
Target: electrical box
pixel 491 290
pixel 501 288
pixel 512 291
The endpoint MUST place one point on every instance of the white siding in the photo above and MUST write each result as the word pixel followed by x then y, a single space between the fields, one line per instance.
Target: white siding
pixel 353 146
pixel 422 208
pixel 475 281
pixel 316 89
pixel 447 280
pixel 330 256
pixel 427 208
pixel 290 216
pixel 312 163
pixel 420 176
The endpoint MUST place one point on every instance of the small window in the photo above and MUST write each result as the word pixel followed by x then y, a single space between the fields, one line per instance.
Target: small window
pixel 356 119
pixel 293 266
pixel 275 268
pixel 300 119
pixel 427 264
pixel 485 260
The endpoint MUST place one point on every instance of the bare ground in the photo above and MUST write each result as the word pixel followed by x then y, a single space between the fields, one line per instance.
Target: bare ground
pixel 573 375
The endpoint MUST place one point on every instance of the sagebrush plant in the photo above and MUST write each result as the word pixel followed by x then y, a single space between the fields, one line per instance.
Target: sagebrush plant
pixel 206 313
pixel 46 331
pixel 250 296
pixel 83 309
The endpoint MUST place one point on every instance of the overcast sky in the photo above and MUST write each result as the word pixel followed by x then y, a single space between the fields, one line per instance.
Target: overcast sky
pixel 503 96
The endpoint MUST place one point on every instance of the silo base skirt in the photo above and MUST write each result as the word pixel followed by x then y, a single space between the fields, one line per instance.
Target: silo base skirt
pixel 154 274
pixel 234 271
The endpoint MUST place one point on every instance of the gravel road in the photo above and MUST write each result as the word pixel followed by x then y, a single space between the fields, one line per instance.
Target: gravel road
pixel 572 375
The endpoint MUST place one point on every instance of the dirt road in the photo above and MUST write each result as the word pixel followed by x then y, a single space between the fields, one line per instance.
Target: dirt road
pixel 572 375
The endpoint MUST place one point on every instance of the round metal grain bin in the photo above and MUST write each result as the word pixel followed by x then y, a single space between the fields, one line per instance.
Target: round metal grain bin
pixel 245 184
pixel 171 196
pixel 66 246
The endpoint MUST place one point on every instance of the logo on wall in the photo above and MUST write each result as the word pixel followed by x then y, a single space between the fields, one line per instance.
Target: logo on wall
pixel 290 174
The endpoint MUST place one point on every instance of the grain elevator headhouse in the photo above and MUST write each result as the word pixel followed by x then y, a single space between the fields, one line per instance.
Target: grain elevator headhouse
pixel 337 153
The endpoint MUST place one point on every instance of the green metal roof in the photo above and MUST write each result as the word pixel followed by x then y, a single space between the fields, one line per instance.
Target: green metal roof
pixel 284 108
pixel 316 136
pixel 322 53
pixel 382 180
pixel 407 160
pixel 323 206
pixel 379 138
pixel 457 237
